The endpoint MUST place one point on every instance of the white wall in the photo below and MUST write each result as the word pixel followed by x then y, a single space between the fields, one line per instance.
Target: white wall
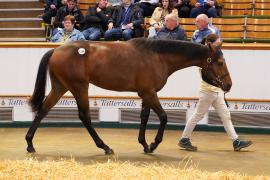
pixel 249 71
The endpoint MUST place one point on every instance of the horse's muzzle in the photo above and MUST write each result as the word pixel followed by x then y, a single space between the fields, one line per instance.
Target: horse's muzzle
pixel 226 87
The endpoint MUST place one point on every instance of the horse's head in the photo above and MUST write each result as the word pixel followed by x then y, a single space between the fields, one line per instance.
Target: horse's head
pixel 215 70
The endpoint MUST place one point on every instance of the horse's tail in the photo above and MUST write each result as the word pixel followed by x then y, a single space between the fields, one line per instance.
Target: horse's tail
pixel 38 95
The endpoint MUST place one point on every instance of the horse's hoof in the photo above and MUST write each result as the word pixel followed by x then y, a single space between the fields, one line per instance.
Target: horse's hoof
pixel 146 150
pixel 109 152
pixel 152 147
pixel 31 149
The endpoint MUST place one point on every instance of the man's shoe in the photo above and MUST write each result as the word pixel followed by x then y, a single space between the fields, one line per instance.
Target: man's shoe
pixel 239 144
pixel 186 144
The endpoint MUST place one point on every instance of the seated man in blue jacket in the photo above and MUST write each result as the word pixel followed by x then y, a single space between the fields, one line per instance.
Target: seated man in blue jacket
pixel 204 28
pixel 125 22
pixel 171 30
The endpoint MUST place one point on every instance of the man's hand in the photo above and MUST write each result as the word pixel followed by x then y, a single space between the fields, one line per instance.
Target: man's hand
pixel 110 25
pixel 129 26
pixel 210 3
pixel 179 2
pixel 198 5
pixel 156 26
pixel 52 6
pixel 98 9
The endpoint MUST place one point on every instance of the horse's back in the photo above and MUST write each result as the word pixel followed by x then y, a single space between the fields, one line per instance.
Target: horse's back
pixel 119 66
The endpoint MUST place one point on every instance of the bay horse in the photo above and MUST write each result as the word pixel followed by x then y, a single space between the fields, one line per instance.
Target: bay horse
pixel 138 65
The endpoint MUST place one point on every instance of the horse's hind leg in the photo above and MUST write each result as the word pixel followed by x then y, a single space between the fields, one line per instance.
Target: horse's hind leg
pixel 144 119
pixel 152 101
pixel 81 96
pixel 49 102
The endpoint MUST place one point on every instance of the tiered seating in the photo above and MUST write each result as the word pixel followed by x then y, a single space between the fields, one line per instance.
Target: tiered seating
pixel 258 30
pixel 262 8
pixel 237 7
pixel 188 24
pixel 19 21
pixel 232 29
pixel 84 5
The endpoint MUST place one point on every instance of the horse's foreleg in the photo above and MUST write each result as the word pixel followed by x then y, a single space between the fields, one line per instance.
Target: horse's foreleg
pixel 84 115
pixel 144 119
pixel 49 102
pixel 152 101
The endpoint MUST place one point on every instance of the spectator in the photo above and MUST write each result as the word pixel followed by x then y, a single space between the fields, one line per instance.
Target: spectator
pixel 211 95
pixel 114 3
pixel 203 29
pixel 96 20
pixel 148 6
pixel 183 7
pixel 125 22
pixel 204 6
pixel 158 17
pixel 70 9
pixel 171 29
pixel 51 9
pixel 69 33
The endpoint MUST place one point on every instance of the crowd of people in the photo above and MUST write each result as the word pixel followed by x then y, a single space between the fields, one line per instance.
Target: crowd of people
pixel 122 19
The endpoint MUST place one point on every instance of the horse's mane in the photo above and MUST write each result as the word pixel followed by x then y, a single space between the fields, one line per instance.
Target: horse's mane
pixel 170 46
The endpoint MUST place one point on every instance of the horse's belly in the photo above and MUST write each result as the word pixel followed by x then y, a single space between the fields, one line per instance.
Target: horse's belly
pixel 115 85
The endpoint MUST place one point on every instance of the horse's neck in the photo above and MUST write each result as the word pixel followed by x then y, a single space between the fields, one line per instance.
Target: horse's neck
pixel 183 56
pixel 175 63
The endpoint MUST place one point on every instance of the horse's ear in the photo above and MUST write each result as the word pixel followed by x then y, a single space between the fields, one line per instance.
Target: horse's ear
pixel 211 47
pixel 219 44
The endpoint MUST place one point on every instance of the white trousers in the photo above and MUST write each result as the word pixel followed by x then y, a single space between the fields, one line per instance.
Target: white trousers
pixel 206 99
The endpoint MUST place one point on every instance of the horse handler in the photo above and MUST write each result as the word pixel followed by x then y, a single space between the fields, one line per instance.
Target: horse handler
pixel 211 95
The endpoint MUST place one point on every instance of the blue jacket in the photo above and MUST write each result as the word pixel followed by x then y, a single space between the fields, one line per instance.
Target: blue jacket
pixel 199 35
pixel 76 35
pixel 175 34
pixel 135 17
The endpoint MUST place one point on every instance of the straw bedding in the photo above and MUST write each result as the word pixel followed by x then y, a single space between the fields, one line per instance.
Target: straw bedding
pixel 32 169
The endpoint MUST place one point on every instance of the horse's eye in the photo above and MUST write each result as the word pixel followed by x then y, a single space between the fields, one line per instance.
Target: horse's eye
pixel 220 62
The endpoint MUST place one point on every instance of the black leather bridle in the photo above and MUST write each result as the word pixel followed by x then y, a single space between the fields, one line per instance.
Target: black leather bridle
pixel 218 81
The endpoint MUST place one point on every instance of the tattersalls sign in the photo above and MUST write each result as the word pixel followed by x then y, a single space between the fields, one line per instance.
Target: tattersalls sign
pixel 20 107
pixel 260 107
pixel 136 103
pixel 125 103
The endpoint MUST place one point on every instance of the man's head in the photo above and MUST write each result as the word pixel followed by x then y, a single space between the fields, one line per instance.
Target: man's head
pixel 171 21
pixel 201 21
pixel 71 4
pixel 102 3
pixel 64 2
pixel 126 2
pixel 69 22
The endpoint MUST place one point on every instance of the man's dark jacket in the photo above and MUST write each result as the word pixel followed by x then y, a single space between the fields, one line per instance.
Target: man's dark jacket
pixel 97 19
pixel 135 17
pixel 63 12
pixel 175 34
